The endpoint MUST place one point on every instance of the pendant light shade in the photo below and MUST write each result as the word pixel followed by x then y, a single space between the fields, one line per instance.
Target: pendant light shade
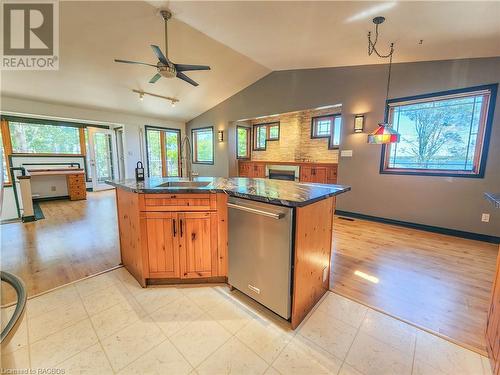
pixel 383 134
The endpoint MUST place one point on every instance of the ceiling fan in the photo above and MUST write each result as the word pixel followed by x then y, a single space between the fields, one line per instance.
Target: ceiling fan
pixel 165 67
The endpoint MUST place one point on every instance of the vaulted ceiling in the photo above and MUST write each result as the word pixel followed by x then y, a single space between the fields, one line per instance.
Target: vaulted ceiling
pixel 242 41
pixel 93 33
pixel 309 34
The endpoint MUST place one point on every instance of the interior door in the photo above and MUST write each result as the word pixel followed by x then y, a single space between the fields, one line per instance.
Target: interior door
pixel 163 244
pixel 102 156
pixel 198 244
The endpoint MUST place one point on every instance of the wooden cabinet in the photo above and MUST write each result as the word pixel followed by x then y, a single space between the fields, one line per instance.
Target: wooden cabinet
pixel 173 236
pixel 258 171
pixel 198 244
pixel 76 186
pixel 162 236
pixel 181 244
pixel 251 170
pixel 244 169
pixel 322 173
pixel 493 324
pixel 317 174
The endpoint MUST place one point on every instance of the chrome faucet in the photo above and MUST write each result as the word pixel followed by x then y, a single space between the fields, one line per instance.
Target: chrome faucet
pixel 186 160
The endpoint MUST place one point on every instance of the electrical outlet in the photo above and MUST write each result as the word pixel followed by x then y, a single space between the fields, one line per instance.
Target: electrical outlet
pixel 53 188
pixel 325 273
pixel 485 218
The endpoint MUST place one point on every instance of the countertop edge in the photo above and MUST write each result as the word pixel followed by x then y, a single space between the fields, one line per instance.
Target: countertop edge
pixel 201 190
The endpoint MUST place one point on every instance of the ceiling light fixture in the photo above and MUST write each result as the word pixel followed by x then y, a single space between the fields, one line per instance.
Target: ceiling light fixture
pixel 142 93
pixel 384 132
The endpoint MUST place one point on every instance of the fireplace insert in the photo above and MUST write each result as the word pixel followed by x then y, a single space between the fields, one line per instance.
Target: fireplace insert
pixel 282 172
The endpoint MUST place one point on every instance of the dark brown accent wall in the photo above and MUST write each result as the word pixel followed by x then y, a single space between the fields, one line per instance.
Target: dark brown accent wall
pixel 448 202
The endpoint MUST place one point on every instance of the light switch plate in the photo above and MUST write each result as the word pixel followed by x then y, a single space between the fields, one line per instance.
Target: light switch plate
pixel 485 218
pixel 346 153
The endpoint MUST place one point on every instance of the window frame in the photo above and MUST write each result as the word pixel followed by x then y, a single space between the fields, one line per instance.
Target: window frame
pixel 7 149
pixel 334 116
pixel 267 126
pixel 194 146
pixel 81 138
pixel 483 145
pixel 163 154
pixel 248 142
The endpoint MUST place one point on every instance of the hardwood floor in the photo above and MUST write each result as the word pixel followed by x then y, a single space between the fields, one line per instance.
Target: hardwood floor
pixel 76 239
pixel 437 282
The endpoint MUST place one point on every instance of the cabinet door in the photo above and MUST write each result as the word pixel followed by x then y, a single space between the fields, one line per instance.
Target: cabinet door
pixel 319 175
pixel 306 174
pixel 331 175
pixel 198 244
pixel 244 169
pixel 259 171
pixel 163 245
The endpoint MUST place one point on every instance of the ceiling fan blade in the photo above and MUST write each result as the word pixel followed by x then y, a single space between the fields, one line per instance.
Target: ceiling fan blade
pixel 155 78
pixel 133 62
pixel 186 78
pixel 186 67
pixel 159 54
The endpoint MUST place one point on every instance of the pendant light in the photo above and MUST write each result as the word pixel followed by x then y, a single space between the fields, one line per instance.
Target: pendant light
pixel 384 132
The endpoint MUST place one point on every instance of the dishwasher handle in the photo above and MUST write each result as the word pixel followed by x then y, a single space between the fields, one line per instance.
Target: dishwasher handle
pixel 272 215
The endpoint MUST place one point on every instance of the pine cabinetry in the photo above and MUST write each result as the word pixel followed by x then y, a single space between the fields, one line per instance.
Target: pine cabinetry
pixel 321 173
pixel 252 170
pixel 173 236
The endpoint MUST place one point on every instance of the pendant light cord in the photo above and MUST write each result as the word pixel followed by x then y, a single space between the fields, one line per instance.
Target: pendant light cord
pixel 389 75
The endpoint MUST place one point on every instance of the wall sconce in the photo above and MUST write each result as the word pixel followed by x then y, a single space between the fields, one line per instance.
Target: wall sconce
pixel 220 135
pixel 359 123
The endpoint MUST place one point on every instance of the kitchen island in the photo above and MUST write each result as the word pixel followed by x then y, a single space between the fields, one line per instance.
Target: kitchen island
pixel 173 230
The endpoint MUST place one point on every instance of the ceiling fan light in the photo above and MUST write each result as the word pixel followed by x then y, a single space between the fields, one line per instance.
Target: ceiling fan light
pixel 383 134
pixel 172 103
pixel 141 96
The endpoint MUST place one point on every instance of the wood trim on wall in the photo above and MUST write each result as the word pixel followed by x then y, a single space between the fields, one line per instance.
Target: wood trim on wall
pixel 7 147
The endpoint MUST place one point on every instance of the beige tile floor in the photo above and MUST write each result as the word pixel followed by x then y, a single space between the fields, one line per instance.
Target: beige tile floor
pixel 108 324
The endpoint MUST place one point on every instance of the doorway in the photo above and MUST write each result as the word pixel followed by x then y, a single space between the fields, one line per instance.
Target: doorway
pixel 102 157
pixel 120 152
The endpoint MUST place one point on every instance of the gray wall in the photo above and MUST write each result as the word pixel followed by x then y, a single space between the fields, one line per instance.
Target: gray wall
pixel 448 202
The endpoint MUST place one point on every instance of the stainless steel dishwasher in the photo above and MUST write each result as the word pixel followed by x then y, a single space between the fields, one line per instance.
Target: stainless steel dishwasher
pixel 260 252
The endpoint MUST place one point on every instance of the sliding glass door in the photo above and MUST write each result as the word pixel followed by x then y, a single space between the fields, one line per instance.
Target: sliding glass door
pixel 163 152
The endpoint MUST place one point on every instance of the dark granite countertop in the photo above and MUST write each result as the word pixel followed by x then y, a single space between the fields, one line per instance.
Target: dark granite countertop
pixel 493 198
pixel 284 193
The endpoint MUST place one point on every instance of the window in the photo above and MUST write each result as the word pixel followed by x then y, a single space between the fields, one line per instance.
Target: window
pixel 203 145
pixel 442 134
pixel 328 126
pixel 264 133
pixel 32 138
pixel 163 152
pixel 242 142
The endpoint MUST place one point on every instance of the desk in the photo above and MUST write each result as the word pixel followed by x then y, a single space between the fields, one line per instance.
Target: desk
pixel 75 178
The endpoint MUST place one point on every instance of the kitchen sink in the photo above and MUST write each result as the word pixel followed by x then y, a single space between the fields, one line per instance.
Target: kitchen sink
pixel 185 184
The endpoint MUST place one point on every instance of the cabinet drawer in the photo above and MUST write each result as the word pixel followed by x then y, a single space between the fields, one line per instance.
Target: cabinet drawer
pixel 75 178
pixel 177 202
